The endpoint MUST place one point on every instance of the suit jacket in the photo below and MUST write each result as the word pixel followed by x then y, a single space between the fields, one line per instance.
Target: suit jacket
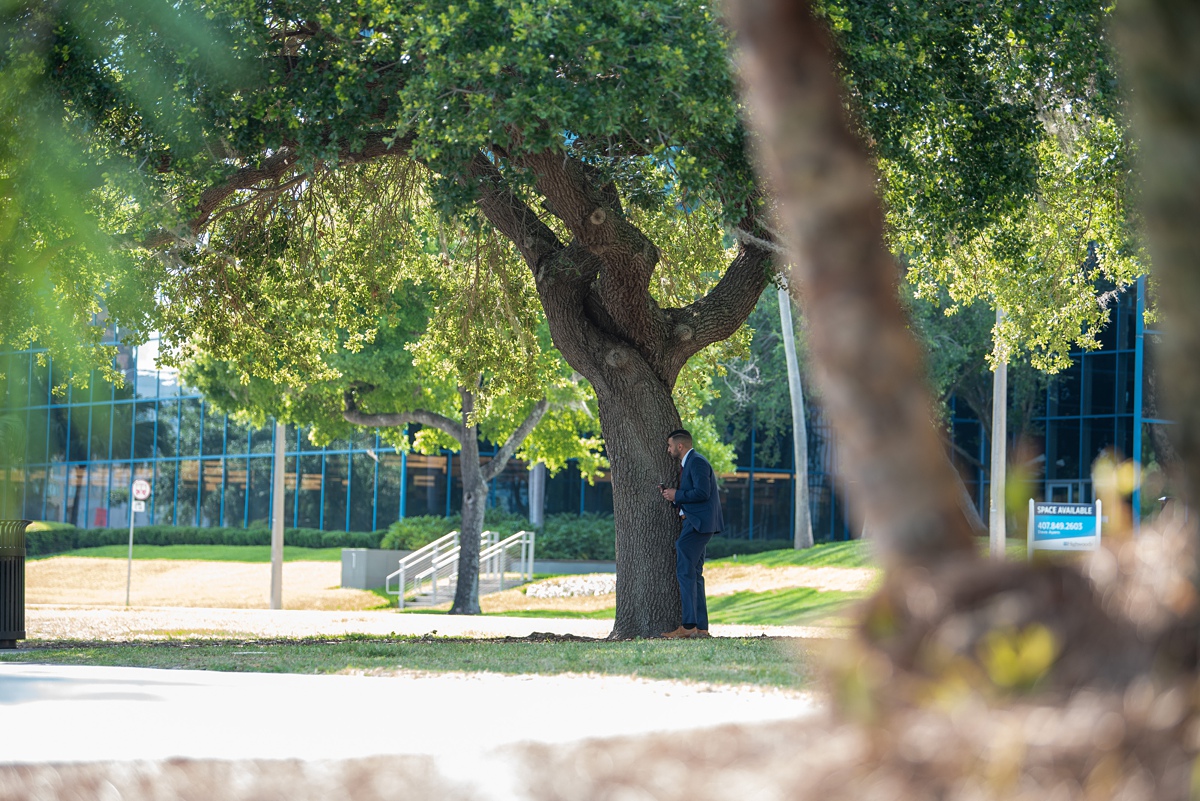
pixel 697 495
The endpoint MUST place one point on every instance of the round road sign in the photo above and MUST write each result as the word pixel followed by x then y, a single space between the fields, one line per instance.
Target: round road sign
pixel 141 489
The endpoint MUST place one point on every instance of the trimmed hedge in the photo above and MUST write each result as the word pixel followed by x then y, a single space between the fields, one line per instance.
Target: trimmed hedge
pixel 41 543
pixel 568 536
pixel 415 532
pixel 565 536
pixel 722 547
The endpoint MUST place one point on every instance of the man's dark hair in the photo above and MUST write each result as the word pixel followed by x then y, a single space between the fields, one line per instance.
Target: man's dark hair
pixel 680 433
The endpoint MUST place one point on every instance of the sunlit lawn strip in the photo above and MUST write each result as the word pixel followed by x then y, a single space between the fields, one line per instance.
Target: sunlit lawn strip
pixel 791 607
pixel 855 553
pixel 778 663
pixel 206 553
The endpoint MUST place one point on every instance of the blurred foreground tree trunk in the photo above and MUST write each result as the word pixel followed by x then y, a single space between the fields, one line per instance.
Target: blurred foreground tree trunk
pixel 1160 40
pixel 949 632
pixel 868 364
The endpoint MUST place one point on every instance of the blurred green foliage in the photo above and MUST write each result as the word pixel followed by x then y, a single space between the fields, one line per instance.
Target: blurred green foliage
pixel 59 539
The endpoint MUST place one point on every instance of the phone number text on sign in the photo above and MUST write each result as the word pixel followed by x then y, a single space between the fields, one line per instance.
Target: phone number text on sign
pixel 1064 526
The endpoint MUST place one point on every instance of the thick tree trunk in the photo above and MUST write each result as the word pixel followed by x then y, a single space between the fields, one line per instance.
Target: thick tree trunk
pixel 474 501
pixel 1162 54
pixel 595 293
pixel 636 417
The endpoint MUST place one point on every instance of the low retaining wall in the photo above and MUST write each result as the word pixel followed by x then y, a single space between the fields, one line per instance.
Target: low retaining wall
pixel 572 566
pixel 368 568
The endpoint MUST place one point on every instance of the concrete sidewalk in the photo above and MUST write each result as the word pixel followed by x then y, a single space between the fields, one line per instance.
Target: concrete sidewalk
pixel 109 623
pixel 57 714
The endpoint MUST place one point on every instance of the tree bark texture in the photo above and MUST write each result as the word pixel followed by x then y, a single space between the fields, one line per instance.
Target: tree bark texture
pixel 636 417
pixel 867 363
pixel 594 290
pixel 1160 40
pixel 474 500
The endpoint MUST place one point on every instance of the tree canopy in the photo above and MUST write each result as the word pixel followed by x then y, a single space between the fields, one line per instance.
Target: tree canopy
pixel 1000 137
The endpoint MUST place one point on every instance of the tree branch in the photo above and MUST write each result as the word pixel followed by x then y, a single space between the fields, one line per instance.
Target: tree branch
pixel 627 257
pixel 497 463
pixel 562 274
pixel 720 313
pixel 353 414
pixel 512 216
pixel 273 168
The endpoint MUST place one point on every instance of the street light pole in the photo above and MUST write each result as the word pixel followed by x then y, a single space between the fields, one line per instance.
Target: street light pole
pixel 802 536
pixel 996 527
pixel 277 520
pixel 129 562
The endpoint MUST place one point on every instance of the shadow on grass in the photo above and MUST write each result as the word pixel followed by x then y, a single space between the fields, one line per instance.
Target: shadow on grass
pixel 755 660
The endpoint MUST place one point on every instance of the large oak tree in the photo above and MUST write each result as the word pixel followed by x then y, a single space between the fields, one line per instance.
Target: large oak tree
pixel 573 130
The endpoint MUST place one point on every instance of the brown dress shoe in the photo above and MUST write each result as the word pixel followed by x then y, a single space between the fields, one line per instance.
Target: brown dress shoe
pixel 700 634
pixel 678 634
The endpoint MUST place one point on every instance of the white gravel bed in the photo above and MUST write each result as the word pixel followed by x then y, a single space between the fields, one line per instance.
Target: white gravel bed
pixel 574 586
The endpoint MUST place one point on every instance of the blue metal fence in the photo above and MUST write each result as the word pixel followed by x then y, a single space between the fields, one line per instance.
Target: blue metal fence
pixel 207 469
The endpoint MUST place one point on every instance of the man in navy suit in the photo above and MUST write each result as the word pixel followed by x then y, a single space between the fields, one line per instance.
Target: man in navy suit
pixel 700 507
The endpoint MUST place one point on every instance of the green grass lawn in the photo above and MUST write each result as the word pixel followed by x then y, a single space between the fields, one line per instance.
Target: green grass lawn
pixel 206 553
pixel 760 661
pixel 791 607
pixel 854 553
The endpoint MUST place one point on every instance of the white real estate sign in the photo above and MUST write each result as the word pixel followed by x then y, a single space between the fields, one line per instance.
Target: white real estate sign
pixel 1064 526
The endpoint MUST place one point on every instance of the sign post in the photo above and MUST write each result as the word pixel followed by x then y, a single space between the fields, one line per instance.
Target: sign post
pixel 1064 526
pixel 140 492
pixel 277 518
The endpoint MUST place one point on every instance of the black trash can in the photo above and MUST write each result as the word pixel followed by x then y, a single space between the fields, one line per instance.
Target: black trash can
pixel 12 582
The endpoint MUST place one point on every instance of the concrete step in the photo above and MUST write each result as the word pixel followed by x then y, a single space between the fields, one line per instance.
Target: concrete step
pixel 446 591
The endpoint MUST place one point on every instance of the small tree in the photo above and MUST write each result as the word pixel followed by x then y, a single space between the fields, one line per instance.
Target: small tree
pixel 461 353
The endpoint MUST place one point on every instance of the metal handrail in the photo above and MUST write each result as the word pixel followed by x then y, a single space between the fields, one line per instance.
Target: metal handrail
pixel 495 557
pixel 411 560
pixel 436 556
pixel 432 572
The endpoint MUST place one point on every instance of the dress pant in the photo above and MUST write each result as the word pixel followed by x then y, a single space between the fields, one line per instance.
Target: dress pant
pixel 689 570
